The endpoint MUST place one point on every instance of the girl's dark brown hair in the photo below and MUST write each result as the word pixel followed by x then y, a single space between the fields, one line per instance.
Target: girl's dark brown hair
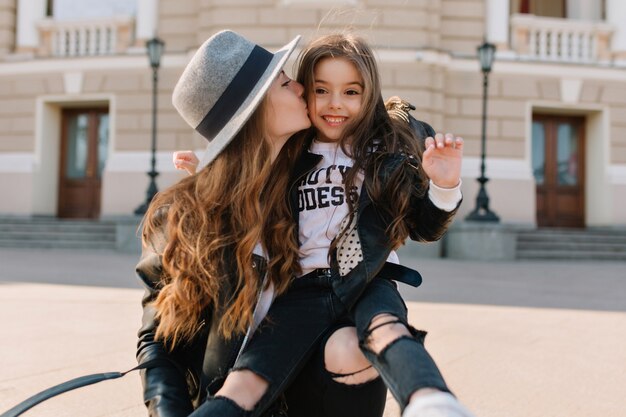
pixel 214 220
pixel 372 136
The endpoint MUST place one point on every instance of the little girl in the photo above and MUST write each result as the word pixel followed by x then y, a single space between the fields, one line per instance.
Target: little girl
pixel 361 185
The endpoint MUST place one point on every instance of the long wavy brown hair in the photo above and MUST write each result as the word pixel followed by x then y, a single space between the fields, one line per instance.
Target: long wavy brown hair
pixel 214 219
pixel 372 135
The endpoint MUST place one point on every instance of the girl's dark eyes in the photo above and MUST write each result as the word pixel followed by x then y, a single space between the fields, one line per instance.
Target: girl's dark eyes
pixel 286 83
pixel 349 92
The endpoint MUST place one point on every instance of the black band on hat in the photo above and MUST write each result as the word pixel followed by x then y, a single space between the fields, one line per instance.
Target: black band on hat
pixel 236 93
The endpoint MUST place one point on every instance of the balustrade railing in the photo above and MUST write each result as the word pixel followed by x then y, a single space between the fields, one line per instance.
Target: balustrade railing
pixel 563 40
pixel 107 36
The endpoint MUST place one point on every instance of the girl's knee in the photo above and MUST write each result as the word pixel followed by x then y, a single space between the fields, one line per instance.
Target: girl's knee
pixel 383 330
pixel 344 360
pixel 244 387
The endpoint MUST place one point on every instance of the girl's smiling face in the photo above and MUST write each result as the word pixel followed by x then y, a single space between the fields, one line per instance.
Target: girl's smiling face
pixel 335 98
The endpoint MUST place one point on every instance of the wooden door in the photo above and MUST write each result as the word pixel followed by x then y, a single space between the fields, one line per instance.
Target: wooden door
pixel 558 166
pixel 547 8
pixel 84 143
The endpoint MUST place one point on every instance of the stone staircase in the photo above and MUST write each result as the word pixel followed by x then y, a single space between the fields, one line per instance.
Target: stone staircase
pixel 594 244
pixel 50 232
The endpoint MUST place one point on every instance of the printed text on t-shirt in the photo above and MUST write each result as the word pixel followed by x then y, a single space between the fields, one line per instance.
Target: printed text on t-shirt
pixel 324 188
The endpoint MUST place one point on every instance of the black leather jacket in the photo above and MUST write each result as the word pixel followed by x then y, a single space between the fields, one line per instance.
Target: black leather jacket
pixel 183 376
pixel 427 223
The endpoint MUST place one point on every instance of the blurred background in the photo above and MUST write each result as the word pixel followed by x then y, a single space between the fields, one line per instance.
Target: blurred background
pixel 536 88
pixel 524 298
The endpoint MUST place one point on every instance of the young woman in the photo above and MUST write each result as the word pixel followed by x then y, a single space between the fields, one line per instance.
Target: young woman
pixel 361 186
pixel 203 237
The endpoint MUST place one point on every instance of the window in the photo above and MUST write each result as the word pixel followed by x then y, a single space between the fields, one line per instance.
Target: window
pixel 548 8
pixel 571 9
pixel 88 9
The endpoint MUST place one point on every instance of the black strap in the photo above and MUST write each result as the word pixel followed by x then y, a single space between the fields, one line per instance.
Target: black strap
pixel 400 273
pixel 72 384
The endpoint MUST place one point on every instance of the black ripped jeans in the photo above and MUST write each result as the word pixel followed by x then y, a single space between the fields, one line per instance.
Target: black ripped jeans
pixel 295 328
pixel 404 364
pixel 315 392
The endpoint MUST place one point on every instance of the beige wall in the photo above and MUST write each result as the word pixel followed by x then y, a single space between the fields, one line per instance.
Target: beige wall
pixel 387 23
pixel 426 52
pixel 462 26
pixel 511 199
pixel 619 202
pixel 7 26
pixel 178 23
pixel 17 191
pixel 614 94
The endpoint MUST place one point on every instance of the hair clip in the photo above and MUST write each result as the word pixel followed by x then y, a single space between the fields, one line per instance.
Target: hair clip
pixel 398 108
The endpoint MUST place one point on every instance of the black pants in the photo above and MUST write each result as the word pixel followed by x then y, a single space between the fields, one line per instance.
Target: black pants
pixel 295 327
pixel 315 393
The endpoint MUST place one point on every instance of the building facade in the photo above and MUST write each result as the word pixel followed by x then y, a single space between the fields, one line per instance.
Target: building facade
pixel 76 95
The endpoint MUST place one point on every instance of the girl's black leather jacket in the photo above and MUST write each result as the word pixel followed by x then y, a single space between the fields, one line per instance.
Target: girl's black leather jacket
pixel 427 223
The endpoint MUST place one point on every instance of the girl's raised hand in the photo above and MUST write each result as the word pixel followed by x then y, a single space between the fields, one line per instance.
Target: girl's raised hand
pixel 186 160
pixel 442 159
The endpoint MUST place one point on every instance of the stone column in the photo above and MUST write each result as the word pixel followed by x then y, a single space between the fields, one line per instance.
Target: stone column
pixel 29 13
pixel 147 18
pixel 498 18
pixel 616 15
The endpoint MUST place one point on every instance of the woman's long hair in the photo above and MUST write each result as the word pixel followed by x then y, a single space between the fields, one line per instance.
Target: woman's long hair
pixel 372 135
pixel 215 219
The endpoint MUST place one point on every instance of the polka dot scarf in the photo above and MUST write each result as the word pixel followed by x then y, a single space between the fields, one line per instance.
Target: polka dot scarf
pixel 349 252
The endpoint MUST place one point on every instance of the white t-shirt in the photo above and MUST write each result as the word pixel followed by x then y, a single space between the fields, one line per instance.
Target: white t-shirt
pixel 322 204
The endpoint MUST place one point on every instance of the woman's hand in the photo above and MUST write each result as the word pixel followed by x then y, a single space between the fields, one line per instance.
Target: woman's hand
pixel 442 159
pixel 186 160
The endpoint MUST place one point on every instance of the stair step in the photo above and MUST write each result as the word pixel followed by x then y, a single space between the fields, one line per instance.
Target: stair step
pixel 574 239
pixel 59 226
pixel 600 244
pixel 47 232
pixel 570 254
pixel 51 220
pixel 55 244
pixel 31 235
pixel 579 246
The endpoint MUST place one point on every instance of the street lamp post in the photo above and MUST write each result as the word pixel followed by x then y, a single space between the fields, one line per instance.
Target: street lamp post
pixel 486 53
pixel 155 49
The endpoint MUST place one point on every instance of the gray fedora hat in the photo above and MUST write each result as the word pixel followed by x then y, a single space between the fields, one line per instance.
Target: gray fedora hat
pixel 223 84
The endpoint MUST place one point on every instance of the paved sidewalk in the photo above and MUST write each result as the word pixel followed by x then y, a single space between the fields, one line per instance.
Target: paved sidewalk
pixel 514 339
